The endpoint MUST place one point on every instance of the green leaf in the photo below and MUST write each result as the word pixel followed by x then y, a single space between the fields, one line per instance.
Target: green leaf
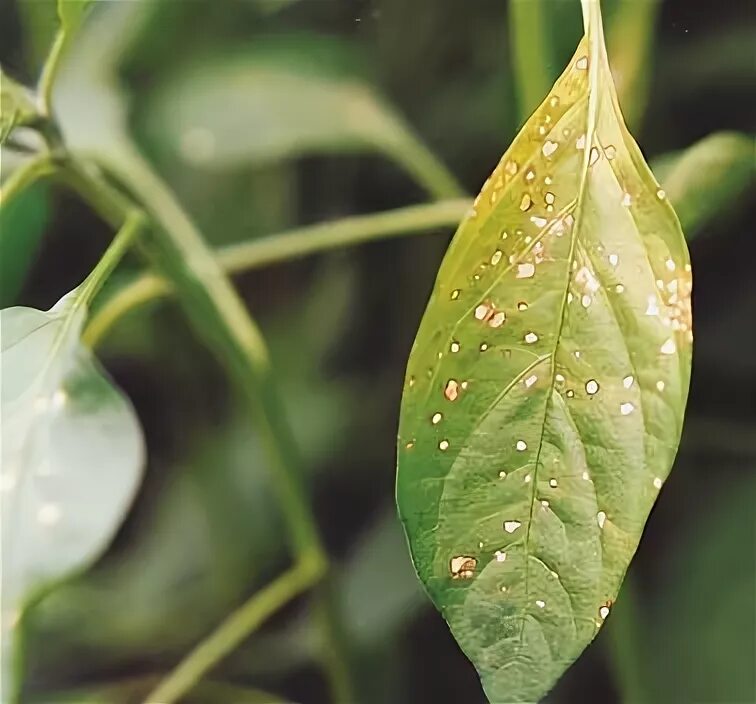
pixel 16 106
pixel 71 13
pixel 545 391
pixel 72 454
pixel 709 178
pixel 279 99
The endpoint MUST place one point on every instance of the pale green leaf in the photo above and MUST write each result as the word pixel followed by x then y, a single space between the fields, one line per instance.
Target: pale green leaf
pixel 16 106
pixel 72 454
pixel 707 179
pixel 545 391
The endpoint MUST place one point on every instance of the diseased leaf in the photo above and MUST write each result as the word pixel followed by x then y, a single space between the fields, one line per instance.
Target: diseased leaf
pixel 708 178
pixel 72 454
pixel 545 391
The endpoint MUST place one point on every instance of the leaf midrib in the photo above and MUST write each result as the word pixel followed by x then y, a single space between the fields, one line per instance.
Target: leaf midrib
pixel 594 105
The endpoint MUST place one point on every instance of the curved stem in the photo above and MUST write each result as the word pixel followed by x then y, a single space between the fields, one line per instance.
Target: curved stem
pixel 291 244
pixel 237 627
pixel 38 167
pixel 532 54
pixel 50 73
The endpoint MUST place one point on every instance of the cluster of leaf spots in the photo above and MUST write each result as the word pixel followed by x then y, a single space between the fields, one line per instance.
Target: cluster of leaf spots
pixel 545 390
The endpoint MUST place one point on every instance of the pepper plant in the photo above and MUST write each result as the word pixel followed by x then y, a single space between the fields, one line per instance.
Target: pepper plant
pixel 545 392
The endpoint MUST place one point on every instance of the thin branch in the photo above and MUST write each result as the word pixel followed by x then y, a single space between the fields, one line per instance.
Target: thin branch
pixel 237 627
pixel 288 245
pixel 50 73
pixel 26 174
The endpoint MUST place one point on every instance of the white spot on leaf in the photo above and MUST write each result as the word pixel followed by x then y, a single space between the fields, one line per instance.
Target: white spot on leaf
pixel 511 526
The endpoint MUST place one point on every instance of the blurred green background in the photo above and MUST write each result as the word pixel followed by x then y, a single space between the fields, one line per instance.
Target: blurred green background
pixel 267 114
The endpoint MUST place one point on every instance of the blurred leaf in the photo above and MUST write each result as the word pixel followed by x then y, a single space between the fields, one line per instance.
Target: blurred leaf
pixel 283 97
pixel 708 178
pixel 16 106
pixel 72 453
pixel 71 13
pixel 22 223
pixel 631 41
pixel 702 644
pixel 379 590
pixel 546 390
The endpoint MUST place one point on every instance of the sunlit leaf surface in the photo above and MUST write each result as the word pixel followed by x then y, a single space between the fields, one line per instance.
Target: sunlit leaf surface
pixel 545 391
pixel 72 454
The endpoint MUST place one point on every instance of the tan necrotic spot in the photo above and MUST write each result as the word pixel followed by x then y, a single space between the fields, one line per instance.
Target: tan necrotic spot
pixel 451 390
pixel 462 566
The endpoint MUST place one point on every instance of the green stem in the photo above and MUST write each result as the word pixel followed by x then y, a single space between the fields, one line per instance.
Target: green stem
pixel 237 626
pixel 288 245
pixel 50 73
pixel 221 318
pixel 25 175
pixel 532 55
pixel 135 221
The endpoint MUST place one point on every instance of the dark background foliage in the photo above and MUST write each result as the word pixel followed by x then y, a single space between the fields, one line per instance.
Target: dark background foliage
pixel 205 532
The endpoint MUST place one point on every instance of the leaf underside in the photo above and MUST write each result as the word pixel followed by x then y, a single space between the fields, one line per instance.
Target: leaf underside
pixel 72 455
pixel 545 391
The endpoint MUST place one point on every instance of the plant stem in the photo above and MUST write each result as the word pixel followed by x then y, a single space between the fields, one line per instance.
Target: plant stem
pixel 38 167
pixel 135 221
pixel 237 626
pixel 208 297
pixel 221 318
pixel 532 54
pixel 50 72
pixel 298 242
